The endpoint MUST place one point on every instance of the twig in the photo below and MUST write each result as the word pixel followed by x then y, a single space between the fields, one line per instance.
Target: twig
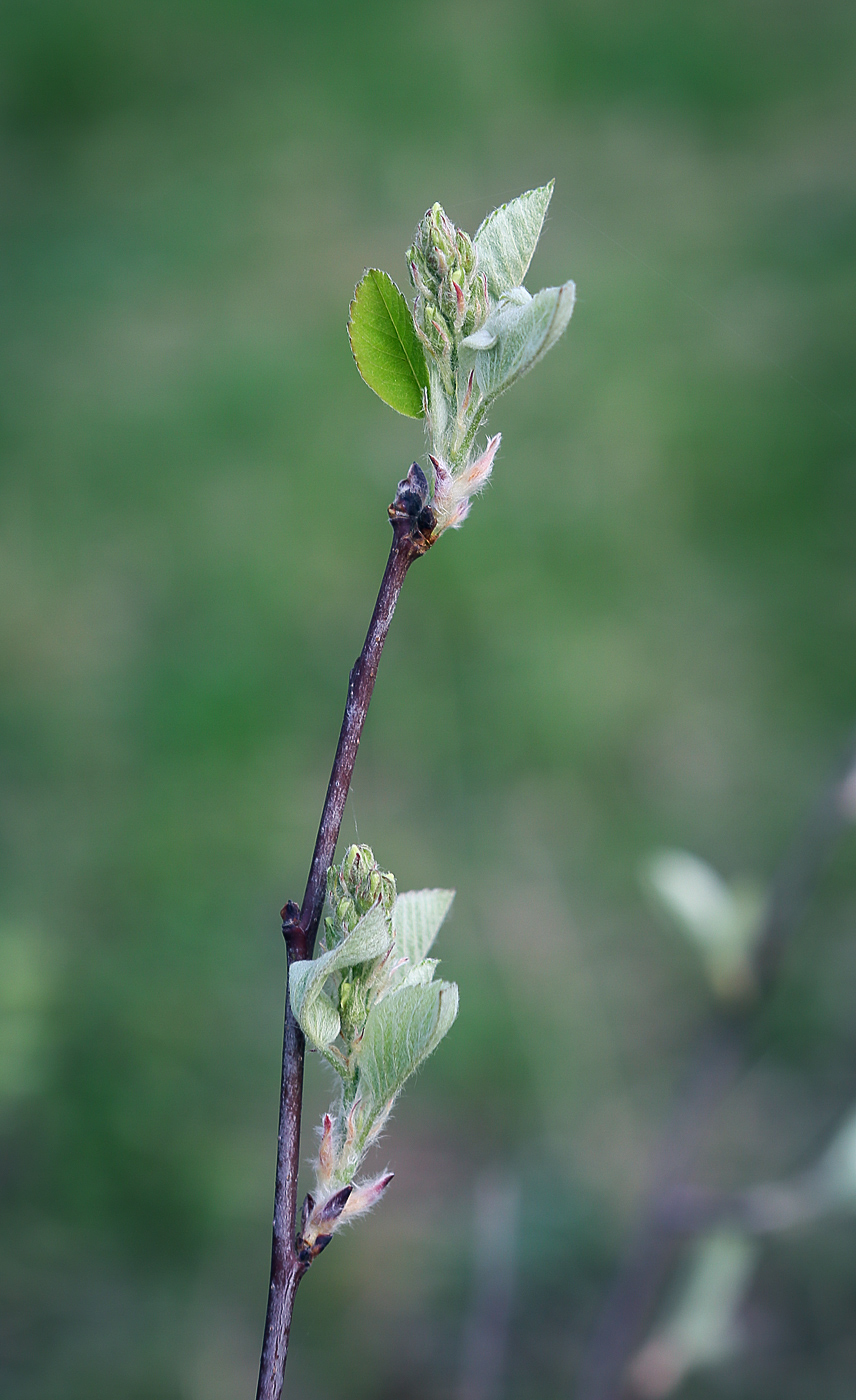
pixel 412 524
pixel 717 1063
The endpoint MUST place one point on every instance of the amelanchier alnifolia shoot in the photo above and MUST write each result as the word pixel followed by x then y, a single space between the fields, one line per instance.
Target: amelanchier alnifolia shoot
pixel 368 1003
pixel 366 998
pixel 473 330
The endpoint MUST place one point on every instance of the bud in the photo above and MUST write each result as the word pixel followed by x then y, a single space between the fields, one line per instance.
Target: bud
pixel 478 305
pixel 332 933
pixel 357 885
pixel 466 252
pixel 365 1197
pixel 442 264
pixel 448 297
pixel 438 340
pixel 460 312
pixel 418 281
pixel 352 858
pixel 326 1154
pixel 387 890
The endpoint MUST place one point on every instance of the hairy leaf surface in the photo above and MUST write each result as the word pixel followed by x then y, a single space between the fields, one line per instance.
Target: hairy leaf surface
pixel 518 334
pixel 313 1010
pixel 416 918
pixel 400 1033
pixel 507 239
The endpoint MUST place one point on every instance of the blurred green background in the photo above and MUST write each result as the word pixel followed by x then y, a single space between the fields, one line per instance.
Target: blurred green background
pixel 643 636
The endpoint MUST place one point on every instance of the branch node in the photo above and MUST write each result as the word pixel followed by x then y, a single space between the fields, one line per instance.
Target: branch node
pixel 291 929
pixel 411 513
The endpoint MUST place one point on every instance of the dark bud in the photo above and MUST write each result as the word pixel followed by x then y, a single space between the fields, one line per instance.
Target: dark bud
pixel 308 1207
pixel 332 1209
pixel 411 509
pixel 412 494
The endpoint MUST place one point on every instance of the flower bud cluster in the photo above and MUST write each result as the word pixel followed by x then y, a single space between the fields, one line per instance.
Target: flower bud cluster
pixel 353 888
pixel 368 1002
pixel 452 299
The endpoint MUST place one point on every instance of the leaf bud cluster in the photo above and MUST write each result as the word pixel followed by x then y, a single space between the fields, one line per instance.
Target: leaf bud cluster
pixel 354 887
pixel 451 294
pixel 473 331
pixel 368 1002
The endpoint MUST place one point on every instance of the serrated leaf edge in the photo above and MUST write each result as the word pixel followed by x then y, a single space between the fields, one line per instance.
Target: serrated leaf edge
pixel 378 273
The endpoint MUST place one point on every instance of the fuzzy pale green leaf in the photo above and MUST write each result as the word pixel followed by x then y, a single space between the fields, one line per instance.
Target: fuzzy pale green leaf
pixel 400 1033
pixel 385 345
pixel 419 975
pixel 517 335
pixel 313 1010
pixel 416 918
pixel 507 239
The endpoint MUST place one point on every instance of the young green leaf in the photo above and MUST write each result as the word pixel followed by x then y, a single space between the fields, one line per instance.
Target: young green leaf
pixel 416 918
pixel 400 1033
pixel 506 240
pixel 517 335
pixel 385 345
pixel 314 1012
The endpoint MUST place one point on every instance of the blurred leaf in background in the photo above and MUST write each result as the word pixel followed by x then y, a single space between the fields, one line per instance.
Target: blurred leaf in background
pixel 643 639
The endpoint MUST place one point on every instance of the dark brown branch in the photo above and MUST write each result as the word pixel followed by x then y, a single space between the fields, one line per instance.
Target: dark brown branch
pixel 412 525
pixel 718 1061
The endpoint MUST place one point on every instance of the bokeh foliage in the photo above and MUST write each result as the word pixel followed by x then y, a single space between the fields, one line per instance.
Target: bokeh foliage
pixel 643 636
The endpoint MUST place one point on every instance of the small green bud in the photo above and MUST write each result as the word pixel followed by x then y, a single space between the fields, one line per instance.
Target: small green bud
pixel 466 252
pixel 357 886
pixel 388 891
pixel 434 249
pixel 352 859
pixel 438 340
pixel 346 913
pixel 477 305
pixel 353 1009
pixel 422 286
pixel 451 302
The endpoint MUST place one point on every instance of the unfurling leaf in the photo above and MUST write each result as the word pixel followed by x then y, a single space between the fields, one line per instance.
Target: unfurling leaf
pixel 372 991
pixel 400 1033
pixel 517 335
pixel 314 1012
pixel 506 240
pixel 385 345
pixel 416 918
